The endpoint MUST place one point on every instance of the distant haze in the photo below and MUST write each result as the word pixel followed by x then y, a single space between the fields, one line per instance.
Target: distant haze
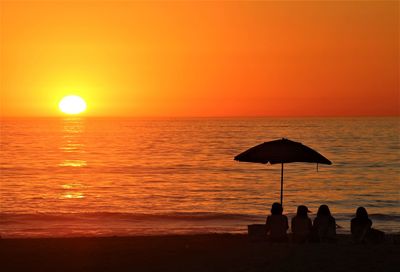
pixel 126 58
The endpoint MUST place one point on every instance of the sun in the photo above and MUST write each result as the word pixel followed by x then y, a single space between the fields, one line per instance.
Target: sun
pixel 72 104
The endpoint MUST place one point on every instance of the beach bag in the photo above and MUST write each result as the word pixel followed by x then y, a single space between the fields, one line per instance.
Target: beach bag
pixel 375 236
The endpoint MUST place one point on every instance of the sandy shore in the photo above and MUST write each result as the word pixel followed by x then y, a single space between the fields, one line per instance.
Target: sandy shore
pixel 211 252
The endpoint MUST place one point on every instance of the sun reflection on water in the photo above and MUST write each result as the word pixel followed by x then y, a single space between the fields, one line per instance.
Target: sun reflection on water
pixel 73 150
pixel 73 163
pixel 71 186
pixel 72 191
pixel 72 146
pixel 72 195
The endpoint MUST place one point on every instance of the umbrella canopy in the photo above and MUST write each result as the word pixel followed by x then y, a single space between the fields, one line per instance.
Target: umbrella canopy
pixel 281 151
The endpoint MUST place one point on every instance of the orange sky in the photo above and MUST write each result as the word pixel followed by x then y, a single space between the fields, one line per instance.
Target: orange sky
pixel 201 59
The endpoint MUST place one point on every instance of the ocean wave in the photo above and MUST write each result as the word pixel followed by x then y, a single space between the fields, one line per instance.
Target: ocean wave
pixel 126 224
pixel 384 217
pixel 15 218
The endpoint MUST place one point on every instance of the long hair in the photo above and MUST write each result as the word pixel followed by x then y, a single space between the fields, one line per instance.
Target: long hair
pixel 323 210
pixel 361 213
pixel 302 211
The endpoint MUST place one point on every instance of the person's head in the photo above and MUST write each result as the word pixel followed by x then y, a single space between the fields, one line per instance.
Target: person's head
pixel 276 208
pixel 302 211
pixel 361 213
pixel 323 210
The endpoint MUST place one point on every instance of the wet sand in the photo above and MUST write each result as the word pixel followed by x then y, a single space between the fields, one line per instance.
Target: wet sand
pixel 210 252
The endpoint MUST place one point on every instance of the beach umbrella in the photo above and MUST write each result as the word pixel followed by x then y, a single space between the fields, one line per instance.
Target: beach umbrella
pixel 281 151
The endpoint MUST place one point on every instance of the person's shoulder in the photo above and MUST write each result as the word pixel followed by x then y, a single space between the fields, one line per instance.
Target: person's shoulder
pixel 368 222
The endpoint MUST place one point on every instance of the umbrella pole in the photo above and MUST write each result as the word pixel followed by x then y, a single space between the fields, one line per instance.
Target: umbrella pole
pixel 282 185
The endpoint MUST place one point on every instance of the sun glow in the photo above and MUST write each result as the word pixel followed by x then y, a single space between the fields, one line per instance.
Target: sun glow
pixel 72 104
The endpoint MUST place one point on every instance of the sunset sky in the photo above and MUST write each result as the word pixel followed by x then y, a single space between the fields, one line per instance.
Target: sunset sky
pixel 201 58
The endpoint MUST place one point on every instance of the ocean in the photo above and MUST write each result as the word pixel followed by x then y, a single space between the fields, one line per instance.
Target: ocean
pixel 76 176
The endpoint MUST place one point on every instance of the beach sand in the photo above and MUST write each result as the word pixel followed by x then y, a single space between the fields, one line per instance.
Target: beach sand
pixel 208 252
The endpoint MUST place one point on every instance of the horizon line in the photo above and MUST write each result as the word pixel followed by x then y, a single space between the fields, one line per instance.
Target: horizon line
pixel 197 116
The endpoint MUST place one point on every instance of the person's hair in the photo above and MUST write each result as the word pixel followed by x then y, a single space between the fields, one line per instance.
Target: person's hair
pixel 276 208
pixel 361 213
pixel 323 210
pixel 302 211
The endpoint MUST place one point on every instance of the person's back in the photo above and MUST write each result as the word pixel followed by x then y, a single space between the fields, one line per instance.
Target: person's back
pixel 360 226
pixel 301 225
pixel 277 224
pixel 324 226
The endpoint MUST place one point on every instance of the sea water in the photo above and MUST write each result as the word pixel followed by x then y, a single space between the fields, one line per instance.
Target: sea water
pixel 128 176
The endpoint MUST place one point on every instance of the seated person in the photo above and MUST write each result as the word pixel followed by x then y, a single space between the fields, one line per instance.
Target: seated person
pixel 324 227
pixel 301 225
pixel 277 224
pixel 361 228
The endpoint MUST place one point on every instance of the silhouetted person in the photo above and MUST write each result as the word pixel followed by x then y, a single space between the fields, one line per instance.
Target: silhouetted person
pixel 324 227
pixel 277 224
pixel 360 225
pixel 361 228
pixel 301 225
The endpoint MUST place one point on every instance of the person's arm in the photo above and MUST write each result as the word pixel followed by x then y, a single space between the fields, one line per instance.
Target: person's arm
pixel 268 224
pixel 334 226
pixel 352 227
pixel 286 223
pixel 315 224
pixel 309 224
pixel 364 230
pixel 293 225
